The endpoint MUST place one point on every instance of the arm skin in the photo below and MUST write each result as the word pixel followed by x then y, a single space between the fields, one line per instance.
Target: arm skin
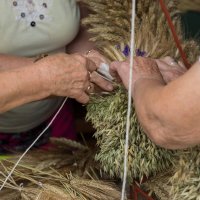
pixel 81 43
pixel 170 114
pixel 18 75
pixel 56 75
pixel 8 62
pixel 20 85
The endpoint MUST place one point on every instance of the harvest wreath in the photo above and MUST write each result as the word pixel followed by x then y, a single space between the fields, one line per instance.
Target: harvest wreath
pixel 69 171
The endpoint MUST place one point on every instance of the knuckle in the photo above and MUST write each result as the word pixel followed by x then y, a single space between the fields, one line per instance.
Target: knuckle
pixel 77 94
pixel 81 97
pixel 78 57
pixel 81 62
pixel 82 86
pixel 81 59
pixel 92 79
pixel 85 74
pixel 84 61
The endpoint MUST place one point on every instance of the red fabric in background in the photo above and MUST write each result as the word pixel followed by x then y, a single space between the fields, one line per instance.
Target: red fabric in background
pixel 64 124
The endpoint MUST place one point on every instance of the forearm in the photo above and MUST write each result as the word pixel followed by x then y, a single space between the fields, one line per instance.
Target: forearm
pixel 20 86
pixel 81 43
pixel 8 62
pixel 170 115
pixel 146 98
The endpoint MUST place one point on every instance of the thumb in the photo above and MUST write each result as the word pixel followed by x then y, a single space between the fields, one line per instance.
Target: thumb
pixel 114 70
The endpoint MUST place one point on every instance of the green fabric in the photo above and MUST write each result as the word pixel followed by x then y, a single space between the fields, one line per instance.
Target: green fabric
pixel 58 28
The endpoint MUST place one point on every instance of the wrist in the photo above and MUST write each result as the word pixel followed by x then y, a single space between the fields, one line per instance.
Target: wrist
pixel 43 75
pixel 156 78
pixel 28 83
pixel 145 83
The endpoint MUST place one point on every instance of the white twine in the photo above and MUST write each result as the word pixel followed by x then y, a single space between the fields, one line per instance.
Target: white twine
pixel 22 156
pixel 123 195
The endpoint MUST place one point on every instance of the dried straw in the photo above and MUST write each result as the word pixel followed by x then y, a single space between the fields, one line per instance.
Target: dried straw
pixel 160 185
pixel 110 25
pixel 186 181
pixel 30 181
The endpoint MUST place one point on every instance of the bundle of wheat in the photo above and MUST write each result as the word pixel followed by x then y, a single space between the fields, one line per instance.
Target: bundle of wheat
pixel 110 26
pixel 159 185
pixel 49 176
pixel 180 183
pixel 52 185
pixel 108 115
pixel 186 181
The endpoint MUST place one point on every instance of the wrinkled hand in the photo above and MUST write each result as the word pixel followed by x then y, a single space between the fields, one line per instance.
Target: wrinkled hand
pixel 142 68
pixel 170 69
pixel 67 75
pixel 95 78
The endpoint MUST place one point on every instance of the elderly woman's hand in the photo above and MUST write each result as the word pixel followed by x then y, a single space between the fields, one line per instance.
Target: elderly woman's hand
pixel 170 69
pixel 143 68
pixel 68 75
pixel 95 78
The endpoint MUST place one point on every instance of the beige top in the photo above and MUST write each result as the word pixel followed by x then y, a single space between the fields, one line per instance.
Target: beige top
pixel 29 28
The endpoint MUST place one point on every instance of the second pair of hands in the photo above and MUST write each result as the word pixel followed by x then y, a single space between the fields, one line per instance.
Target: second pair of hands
pixel 164 70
